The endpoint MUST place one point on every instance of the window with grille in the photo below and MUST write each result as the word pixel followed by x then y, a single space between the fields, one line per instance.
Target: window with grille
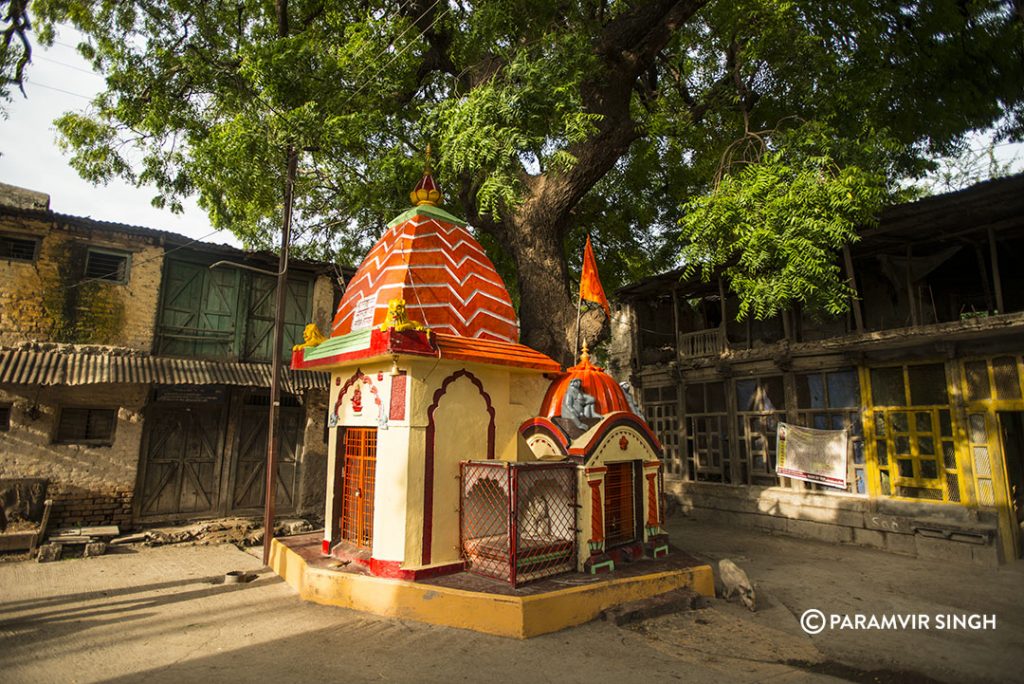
pixel 831 401
pixel 707 438
pixel 5 417
pixel 914 447
pixel 102 264
pixel 18 248
pixel 86 426
pixel 760 405
pixel 661 410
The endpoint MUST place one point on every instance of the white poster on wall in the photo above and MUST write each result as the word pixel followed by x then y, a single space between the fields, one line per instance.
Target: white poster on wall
pixel 811 455
pixel 362 315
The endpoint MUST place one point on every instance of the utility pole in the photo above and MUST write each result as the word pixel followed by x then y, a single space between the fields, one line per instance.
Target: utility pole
pixel 273 419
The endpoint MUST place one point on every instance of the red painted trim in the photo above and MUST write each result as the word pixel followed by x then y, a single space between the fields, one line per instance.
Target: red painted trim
pixel 428 459
pixel 597 514
pixel 393 570
pixel 595 469
pixel 325 547
pixel 652 500
pixel 398 390
pixel 546 426
pixel 612 421
pixel 652 464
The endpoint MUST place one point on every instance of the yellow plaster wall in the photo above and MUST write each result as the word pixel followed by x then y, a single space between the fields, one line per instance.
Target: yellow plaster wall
pixel 414 499
pixel 461 421
pixel 460 434
pixel 49 300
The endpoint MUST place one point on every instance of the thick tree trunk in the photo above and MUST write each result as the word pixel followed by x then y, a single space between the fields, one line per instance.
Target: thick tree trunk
pixel 533 232
pixel 546 311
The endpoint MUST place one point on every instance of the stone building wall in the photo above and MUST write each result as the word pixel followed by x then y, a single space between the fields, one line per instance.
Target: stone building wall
pixel 89 484
pixel 313 471
pixel 51 300
pixel 926 530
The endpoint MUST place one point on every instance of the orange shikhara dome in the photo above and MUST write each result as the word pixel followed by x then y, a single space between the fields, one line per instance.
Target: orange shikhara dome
pixel 608 396
pixel 429 259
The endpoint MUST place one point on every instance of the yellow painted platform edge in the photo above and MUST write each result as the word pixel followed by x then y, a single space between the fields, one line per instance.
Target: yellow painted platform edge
pixel 508 616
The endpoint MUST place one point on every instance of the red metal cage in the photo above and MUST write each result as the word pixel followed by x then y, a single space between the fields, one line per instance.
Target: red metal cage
pixel 518 519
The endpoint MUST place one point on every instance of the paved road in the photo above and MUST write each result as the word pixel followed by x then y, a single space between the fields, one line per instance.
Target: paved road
pixel 161 615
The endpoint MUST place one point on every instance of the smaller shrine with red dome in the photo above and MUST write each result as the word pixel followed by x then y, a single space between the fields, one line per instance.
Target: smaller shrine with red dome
pixel 453 447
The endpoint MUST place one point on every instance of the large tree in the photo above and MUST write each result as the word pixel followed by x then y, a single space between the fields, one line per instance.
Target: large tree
pixel 548 119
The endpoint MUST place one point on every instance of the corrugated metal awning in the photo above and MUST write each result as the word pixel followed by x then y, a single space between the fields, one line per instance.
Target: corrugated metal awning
pixel 52 367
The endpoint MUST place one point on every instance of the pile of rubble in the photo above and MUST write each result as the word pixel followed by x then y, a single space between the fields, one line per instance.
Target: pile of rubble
pixel 238 531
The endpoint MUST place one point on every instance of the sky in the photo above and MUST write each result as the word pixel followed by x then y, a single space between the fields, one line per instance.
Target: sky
pixel 60 80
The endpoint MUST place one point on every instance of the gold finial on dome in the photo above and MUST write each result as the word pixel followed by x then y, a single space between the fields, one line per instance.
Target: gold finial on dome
pixel 584 355
pixel 426 191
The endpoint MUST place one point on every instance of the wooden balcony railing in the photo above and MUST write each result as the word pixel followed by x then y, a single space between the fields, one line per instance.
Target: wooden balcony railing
pixel 700 343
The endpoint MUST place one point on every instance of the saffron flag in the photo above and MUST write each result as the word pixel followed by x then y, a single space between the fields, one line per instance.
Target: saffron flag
pixel 590 283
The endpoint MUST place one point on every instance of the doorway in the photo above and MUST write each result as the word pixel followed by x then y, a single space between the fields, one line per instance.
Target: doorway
pixel 619 504
pixel 358 486
pixel 1011 432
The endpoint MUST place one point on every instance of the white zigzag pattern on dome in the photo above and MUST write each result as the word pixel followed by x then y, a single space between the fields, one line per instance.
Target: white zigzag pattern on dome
pixel 465 322
pixel 363 289
pixel 378 262
pixel 388 241
pixel 364 286
pixel 463 300
pixel 439 234
pixel 386 244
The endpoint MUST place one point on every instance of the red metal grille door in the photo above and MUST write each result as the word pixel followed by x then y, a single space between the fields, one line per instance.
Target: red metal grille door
pixel 618 504
pixel 358 485
pixel 518 519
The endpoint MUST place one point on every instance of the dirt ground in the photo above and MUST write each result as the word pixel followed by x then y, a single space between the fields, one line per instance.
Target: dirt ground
pixel 164 614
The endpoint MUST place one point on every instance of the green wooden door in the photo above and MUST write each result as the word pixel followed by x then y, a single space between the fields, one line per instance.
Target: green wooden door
pixel 198 311
pixel 262 300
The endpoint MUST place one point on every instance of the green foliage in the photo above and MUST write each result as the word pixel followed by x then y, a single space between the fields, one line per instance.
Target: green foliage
pixel 204 98
pixel 773 227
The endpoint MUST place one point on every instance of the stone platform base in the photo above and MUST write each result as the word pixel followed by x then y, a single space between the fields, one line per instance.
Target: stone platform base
pixel 488 607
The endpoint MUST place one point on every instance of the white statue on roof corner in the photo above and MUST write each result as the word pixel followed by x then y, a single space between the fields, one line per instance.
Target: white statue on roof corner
pixel 577 404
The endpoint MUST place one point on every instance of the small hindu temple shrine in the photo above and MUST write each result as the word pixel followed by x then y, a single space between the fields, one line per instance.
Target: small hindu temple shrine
pixel 455 448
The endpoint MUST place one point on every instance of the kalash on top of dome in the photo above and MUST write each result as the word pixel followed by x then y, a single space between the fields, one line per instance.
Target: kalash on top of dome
pixel 428 258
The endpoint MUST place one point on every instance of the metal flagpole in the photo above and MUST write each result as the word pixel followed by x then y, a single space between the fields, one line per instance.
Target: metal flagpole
pixel 579 313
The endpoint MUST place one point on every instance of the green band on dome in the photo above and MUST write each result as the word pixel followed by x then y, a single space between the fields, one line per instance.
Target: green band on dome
pixel 426 210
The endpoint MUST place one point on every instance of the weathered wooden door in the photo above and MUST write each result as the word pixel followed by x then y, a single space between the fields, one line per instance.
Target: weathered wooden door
pixel 198 311
pixel 183 449
pixel 261 313
pixel 358 486
pixel 250 467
